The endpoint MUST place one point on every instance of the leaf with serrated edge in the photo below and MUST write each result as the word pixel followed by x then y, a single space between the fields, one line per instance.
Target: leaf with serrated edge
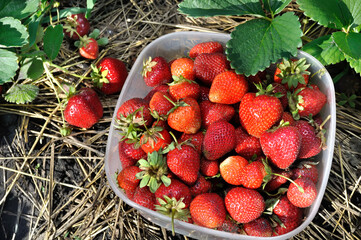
pixel 8 66
pixel 263 42
pixel 354 63
pixel 53 39
pixel 13 33
pixel 21 94
pixel 275 6
pixel 325 50
pixel 19 9
pixel 355 8
pixel 349 43
pixel 206 8
pixel 329 13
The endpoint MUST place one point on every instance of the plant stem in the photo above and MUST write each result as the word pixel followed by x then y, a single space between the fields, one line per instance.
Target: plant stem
pixel 289 179
pixel 67 71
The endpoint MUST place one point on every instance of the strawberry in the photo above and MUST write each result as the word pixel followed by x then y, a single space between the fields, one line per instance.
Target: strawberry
pixel 258 113
pixel 83 109
pixel 213 112
pixel 209 168
pixel 161 88
pixel 110 75
pixel 195 139
pixel 244 205
pixel 281 145
pixel 207 66
pixel 285 209
pixel 288 224
pixel 260 227
pixel 292 218
pixel 306 101
pixel 228 88
pixel 204 93
pixel 306 169
pixel 208 210
pixel 258 78
pixel 160 104
pixel 282 92
pixel 292 73
pixel 229 226
pixel 133 150
pixel 182 88
pixel 205 47
pixel 156 72
pixel 287 117
pixel 246 145
pixel 89 48
pixel 311 144
pixel 231 169
pixel 154 139
pixel 125 160
pixel 144 197
pixel 132 105
pixel 252 175
pixel 277 181
pixel 76 25
pixel 183 67
pixel 200 186
pixel 219 139
pixel 126 178
pixel 176 189
pixel 304 197
pixel 186 116
pixel 184 162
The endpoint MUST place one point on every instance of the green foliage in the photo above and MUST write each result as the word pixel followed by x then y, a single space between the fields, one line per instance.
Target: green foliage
pixel 89 7
pixel 349 100
pixel 8 65
pixel 13 33
pixel 342 15
pixel 265 39
pixel 52 41
pixel 21 94
pixel 18 9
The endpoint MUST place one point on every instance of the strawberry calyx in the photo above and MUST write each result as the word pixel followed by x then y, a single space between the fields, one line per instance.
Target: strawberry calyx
pixel 148 66
pixel 177 104
pixel 71 24
pixel 154 171
pixel 294 102
pixel 99 76
pixel 173 208
pixel 175 144
pixel 151 135
pixel 84 41
pixel 269 90
pixel 292 72
pixel 180 79
pixel 131 126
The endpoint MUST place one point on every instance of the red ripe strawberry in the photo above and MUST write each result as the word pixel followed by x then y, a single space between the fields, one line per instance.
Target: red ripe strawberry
pixel 76 23
pixel 160 104
pixel 154 139
pixel 156 72
pixel 195 139
pixel 282 91
pixel 229 226
pixel 281 145
pixel 161 88
pixel 83 109
pixel 299 198
pixel 144 197
pixel 208 66
pixel 252 175
pixel 125 160
pixel 289 223
pixel 130 194
pixel 287 117
pixel 176 189
pixel 311 144
pixel 182 88
pixel 133 150
pixel 126 178
pixel 228 88
pixel 260 227
pixel 89 48
pixel 110 75
pixel 186 117
pixel 200 186
pixel 231 169
pixel 219 139
pixel 292 73
pixel 132 105
pixel 277 181
pixel 307 169
pixel 258 78
pixel 213 112
pixel 209 168
pixel 204 93
pixel 205 47
pixel 259 113
pixel 184 162
pixel 183 67
pixel 208 210
pixel 307 101
pixel 244 205
pixel 285 209
pixel 246 145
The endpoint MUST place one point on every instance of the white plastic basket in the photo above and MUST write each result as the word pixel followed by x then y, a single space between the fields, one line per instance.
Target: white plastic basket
pixel 178 44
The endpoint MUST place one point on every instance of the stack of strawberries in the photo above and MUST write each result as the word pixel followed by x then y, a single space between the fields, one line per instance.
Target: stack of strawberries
pixel 211 147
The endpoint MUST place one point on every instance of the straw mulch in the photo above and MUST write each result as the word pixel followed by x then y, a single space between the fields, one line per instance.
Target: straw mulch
pixel 60 181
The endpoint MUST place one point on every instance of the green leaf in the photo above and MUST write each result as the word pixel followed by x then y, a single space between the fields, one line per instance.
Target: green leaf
pixel 102 41
pixel 354 63
pixel 32 68
pixel 349 43
pixel 13 33
pixel 95 33
pixel 18 9
pixel 325 50
pixel 329 13
pixel 89 7
pixel 21 94
pixel 275 6
pixel 354 7
pixel 206 8
pixel 53 39
pixel 33 29
pixel 8 66
pixel 263 42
